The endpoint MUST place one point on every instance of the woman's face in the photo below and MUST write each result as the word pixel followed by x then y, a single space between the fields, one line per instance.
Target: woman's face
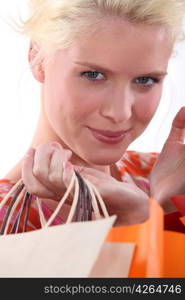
pixel 100 95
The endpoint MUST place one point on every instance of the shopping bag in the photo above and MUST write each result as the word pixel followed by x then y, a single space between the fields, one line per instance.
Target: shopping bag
pixel 67 250
pixel 114 260
pixel 174 249
pixel 140 250
pixel 158 252
pixel 179 202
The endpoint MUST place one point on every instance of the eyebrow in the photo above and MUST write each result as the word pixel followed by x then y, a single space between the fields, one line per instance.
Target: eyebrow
pixel 95 66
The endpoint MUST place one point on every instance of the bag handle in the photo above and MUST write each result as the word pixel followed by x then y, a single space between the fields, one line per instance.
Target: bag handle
pixel 24 207
pixel 95 193
pixel 13 189
pixel 20 189
pixel 74 183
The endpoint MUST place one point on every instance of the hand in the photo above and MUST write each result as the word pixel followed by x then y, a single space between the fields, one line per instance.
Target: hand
pixel 43 173
pixel 167 178
pixel 126 200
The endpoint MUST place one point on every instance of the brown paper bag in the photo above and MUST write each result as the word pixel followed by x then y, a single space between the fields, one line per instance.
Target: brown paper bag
pixel 68 250
pixel 114 260
pixel 74 249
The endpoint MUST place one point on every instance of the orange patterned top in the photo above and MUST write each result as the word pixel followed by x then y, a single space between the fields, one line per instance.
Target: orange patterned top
pixel 134 167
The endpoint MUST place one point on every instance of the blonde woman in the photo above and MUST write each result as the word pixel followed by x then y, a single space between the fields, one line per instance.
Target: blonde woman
pixel 102 65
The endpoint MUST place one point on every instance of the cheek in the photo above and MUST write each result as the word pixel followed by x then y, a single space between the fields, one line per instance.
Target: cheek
pixel 80 103
pixel 146 107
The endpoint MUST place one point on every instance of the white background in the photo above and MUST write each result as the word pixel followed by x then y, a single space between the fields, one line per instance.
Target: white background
pixel 20 94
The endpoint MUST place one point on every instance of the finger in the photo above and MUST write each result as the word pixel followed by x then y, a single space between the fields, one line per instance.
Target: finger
pixel 177 133
pixel 67 173
pixel 94 180
pixel 86 173
pixel 33 185
pixel 79 169
pixel 90 171
pixel 55 176
pixel 100 175
pixel 41 164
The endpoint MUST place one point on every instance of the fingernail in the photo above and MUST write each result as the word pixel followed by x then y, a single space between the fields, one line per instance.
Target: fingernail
pixel 54 145
pixel 68 154
pixel 79 168
pixel 67 173
pixel 68 167
pixel 29 152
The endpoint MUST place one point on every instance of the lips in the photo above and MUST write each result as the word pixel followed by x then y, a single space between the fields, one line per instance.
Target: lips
pixel 109 137
pixel 109 133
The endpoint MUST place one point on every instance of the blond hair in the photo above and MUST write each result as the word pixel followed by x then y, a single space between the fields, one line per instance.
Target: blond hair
pixel 55 24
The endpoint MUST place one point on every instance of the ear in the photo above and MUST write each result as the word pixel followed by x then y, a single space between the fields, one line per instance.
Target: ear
pixel 37 68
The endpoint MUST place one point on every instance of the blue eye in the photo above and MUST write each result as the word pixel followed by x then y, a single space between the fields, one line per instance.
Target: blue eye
pixel 147 81
pixel 92 75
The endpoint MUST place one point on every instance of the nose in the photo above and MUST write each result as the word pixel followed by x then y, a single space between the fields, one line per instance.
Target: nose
pixel 118 105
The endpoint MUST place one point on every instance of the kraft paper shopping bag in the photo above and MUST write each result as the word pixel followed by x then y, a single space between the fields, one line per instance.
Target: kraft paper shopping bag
pixel 68 250
pixel 114 260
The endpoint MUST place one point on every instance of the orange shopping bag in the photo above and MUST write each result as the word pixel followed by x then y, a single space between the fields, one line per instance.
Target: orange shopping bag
pixel 158 252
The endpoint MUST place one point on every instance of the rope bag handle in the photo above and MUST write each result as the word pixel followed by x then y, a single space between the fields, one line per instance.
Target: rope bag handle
pixel 85 201
pixel 79 185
